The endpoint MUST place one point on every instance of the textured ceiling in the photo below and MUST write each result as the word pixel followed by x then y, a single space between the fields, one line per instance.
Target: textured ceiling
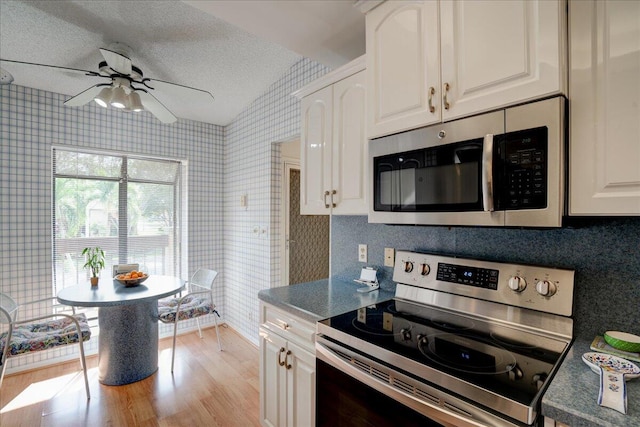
pixel 177 42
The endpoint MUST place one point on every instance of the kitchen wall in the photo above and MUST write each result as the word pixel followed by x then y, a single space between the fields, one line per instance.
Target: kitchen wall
pixel 31 121
pixel 252 167
pixel 605 254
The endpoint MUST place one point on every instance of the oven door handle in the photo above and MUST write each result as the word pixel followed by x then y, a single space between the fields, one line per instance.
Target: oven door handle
pixel 487 173
pixel 441 414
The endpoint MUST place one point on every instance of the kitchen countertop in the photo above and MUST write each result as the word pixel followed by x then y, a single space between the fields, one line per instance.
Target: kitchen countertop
pixel 314 301
pixel 572 395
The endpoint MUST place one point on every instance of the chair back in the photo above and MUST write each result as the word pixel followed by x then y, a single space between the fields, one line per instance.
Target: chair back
pixel 8 309
pixel 203 278
pixel 124 268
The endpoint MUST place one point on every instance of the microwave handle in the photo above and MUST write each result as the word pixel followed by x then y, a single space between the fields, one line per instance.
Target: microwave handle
pixel 487 173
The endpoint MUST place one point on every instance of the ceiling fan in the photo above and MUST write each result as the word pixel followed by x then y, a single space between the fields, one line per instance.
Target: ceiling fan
pixel 126 89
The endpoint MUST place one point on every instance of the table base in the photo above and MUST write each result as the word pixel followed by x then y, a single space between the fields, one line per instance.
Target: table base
pixel 128 342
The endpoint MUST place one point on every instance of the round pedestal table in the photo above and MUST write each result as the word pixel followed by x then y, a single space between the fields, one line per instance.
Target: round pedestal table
pixel 128 320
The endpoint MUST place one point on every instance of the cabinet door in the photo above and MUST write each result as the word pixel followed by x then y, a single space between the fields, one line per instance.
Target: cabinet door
pixel 315 152
pixel 301 383
pixel 402 66
pixel 273 386
pixel 604 90
pixel 350 154
pixel 496 53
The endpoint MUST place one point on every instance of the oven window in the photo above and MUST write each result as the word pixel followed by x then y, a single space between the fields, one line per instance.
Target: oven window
pixel 343 401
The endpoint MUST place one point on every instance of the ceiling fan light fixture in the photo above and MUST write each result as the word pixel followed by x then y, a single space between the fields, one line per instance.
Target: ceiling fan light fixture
pixel 104 97
pixel 135 103
pixel 119 98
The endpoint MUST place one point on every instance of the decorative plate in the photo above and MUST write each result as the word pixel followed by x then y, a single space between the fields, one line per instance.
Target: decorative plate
pixel 609 362
pixel 130 282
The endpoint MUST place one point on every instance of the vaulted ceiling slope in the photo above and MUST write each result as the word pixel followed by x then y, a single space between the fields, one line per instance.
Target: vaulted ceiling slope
pixel 233 49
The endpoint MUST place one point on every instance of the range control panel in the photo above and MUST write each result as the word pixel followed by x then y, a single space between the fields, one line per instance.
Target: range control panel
pixel 535 287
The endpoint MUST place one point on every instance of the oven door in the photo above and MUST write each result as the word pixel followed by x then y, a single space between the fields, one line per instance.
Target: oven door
pixel 355 390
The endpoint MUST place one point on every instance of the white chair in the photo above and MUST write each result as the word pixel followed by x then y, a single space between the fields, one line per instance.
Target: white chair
pixel 35 334
pixel 198 302
pixel 124 268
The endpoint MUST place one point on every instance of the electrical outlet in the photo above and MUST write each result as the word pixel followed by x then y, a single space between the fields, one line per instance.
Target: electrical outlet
pixel 362 253
pixel 389 257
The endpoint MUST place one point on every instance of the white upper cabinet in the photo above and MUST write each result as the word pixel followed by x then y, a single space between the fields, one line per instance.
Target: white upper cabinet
pixel 333 145
pixel 403 66
pixel 350 173
pixel 604 174
pixel 430 61
pixel 315 151
pixel 497 53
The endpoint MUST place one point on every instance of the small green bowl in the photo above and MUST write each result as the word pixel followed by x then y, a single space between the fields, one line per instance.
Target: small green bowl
pixel 623 341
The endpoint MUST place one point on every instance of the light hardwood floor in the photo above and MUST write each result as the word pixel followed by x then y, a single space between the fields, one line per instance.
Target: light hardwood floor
pixel 207 388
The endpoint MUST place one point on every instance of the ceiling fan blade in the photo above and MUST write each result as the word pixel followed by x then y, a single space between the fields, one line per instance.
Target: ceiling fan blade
pixel 84 97
pixel 117 61
pixel 155 84
pixel 155 107
pixel 74 70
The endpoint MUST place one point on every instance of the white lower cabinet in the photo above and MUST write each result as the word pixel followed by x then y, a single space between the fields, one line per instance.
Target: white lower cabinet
pixel 287 370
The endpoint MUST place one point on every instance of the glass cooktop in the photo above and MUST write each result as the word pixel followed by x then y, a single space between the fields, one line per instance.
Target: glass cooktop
pixel 509 361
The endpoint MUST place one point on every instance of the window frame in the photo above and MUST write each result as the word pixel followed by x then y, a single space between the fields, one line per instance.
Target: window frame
pixel 180 202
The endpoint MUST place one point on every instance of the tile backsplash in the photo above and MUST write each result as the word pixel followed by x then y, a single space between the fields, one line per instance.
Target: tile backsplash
pixel 605 254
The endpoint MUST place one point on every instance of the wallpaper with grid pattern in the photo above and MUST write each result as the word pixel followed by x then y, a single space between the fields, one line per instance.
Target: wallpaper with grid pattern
pixel 252 168
pixel 31 121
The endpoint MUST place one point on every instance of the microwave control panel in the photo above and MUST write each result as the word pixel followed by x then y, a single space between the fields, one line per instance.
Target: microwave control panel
pixel 523 155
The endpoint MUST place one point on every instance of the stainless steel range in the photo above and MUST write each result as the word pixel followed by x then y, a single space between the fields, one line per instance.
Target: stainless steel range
pixel 463 343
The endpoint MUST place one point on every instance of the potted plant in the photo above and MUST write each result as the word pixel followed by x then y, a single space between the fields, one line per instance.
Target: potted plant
pixel 95 262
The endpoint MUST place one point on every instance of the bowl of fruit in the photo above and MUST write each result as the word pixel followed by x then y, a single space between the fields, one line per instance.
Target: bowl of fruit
pixel 132 278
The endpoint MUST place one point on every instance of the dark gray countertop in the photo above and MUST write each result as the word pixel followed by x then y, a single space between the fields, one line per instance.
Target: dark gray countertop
pixel 572 395
pixel 322 299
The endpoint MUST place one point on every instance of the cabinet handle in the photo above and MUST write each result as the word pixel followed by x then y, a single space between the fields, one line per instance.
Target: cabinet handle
pixel 283 325
pixel 446 101
pixel 286 359
pixel 432 92
pixel 332 202
pixel 326 205
pixel 280 361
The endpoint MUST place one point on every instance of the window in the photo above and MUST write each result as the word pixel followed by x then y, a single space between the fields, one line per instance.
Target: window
pixel 130 206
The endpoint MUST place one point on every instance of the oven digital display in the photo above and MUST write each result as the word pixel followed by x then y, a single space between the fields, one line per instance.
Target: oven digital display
pixel 471 276
pixel 461 356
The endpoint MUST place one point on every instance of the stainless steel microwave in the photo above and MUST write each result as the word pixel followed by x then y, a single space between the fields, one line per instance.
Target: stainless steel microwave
pixel 503 168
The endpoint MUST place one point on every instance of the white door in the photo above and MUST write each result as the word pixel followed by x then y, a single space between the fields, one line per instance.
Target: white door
pixel 315 151
pixel 273 380
pixel 403 66
pixel 349 160
pixel 604 91
pixel 496 53
pixel 301 383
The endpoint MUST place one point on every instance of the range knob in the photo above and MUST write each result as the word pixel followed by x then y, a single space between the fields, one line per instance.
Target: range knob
pixel 425 270
pixel 408 266
pixel 538 380
pixel 546 288
pixel 422 340
pixel 517 284
pixel 515 373
pixel 406 334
